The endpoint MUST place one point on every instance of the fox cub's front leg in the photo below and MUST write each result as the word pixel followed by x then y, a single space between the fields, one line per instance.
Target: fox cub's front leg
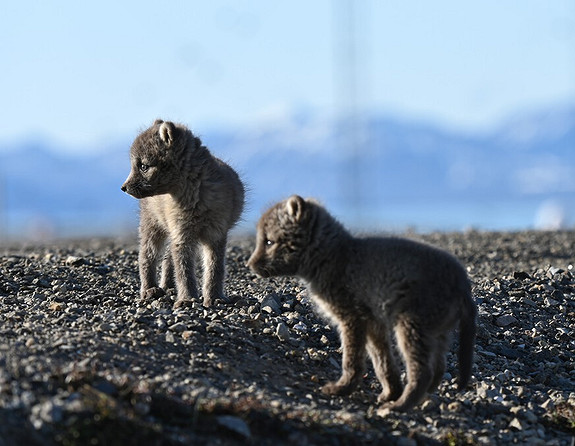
pixel 184 274
pixel 151 240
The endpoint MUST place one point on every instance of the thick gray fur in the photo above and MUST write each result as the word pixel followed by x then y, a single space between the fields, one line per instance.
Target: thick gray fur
pixel 376 290
pixel 188 199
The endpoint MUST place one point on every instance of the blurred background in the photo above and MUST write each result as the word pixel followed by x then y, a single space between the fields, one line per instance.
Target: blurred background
pixel 442 115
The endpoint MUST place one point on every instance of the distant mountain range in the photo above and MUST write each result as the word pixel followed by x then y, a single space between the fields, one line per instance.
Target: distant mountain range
pixel 374 172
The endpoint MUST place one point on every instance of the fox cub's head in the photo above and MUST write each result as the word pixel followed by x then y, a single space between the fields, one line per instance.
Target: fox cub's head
pixel 283 235
pixel 155 156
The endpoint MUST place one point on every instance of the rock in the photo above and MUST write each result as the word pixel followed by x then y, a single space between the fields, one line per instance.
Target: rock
pixel 46 412
pixel 56 306
pixel 530 417
pixel 187 334
pixel 282 332
pixel 254 322
pixel 104 326
pixel 428 405
pixel 554 270
pixel 521 275
pixel 271 305
pixel 548 405
pixel 38 296
pixel 301 327
pixel 454 406
pixel 551 302
pixel 517 424
pixel 505 321
pixel 178 327
pixel 234 424
pixel 74 261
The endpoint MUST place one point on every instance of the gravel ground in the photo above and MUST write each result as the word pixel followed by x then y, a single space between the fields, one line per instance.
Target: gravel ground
pixel 84 361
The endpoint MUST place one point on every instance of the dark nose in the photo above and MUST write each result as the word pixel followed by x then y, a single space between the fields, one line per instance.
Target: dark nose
pixel 124 188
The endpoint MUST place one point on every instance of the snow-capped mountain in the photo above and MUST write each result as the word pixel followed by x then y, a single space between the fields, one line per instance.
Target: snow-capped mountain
pixel 375 172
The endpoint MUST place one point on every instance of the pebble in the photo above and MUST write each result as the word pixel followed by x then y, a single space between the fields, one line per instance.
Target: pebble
pixel 46 412
pixel 282 332
pixel 178 327
pixel 516 424
pixel 74 261
pixel 505 321
pixel 301 327
pixel 56 306
pixel 104 326
pixel 270 304
pixel 234 424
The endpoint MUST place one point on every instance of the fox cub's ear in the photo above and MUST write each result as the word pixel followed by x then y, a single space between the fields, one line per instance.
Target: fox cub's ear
pixel 295 207
pixel 167 132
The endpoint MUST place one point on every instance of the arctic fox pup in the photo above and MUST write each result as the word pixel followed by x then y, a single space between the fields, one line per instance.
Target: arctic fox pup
pixel 188 198
pixel 374 290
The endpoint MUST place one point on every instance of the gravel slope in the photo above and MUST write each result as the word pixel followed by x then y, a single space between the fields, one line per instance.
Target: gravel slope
pixel 83 361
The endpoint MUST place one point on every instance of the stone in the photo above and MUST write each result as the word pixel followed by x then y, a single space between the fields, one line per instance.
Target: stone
pixel 505 321
pixel 234 424
pixel 282 332
pixel 74 261
pixel 517 424
pixel 271 305
pixel 178 327
pixel 551 302
pixel 521 275
pixel 105 326
pixel 301 327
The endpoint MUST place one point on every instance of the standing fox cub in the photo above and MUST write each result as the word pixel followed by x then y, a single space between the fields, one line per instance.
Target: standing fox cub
pixel 373 289
pixel 188 198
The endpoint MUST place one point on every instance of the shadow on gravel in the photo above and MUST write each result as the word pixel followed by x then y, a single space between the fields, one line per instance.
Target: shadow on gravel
pixel 15 429
pixel 102 412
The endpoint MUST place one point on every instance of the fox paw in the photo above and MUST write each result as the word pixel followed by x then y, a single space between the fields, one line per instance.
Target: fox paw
pixel 153 293
pixel 182 303
pixel 216 298
pixel 333 388
pixel 389 395
pixel 384 410
pixel 394 406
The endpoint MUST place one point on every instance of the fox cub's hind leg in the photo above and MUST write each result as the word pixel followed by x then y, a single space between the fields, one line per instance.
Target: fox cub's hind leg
pixel 418 352
pixel 384 363
pixel 167 282
pixel 214 254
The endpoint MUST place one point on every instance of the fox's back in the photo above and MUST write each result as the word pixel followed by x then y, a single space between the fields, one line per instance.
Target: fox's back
pixel 404 275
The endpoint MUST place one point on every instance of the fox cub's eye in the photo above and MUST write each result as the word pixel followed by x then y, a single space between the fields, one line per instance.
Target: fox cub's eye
pixel 144 167
pixel 269 242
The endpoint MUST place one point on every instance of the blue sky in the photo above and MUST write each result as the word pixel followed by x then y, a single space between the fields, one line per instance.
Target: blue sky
pixel 83 73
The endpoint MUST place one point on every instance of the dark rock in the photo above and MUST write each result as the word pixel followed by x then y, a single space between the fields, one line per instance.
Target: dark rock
pixel 521 275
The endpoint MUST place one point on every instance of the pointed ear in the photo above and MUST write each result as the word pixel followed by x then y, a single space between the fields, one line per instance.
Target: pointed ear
pixel 295 207
pixel 167 132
